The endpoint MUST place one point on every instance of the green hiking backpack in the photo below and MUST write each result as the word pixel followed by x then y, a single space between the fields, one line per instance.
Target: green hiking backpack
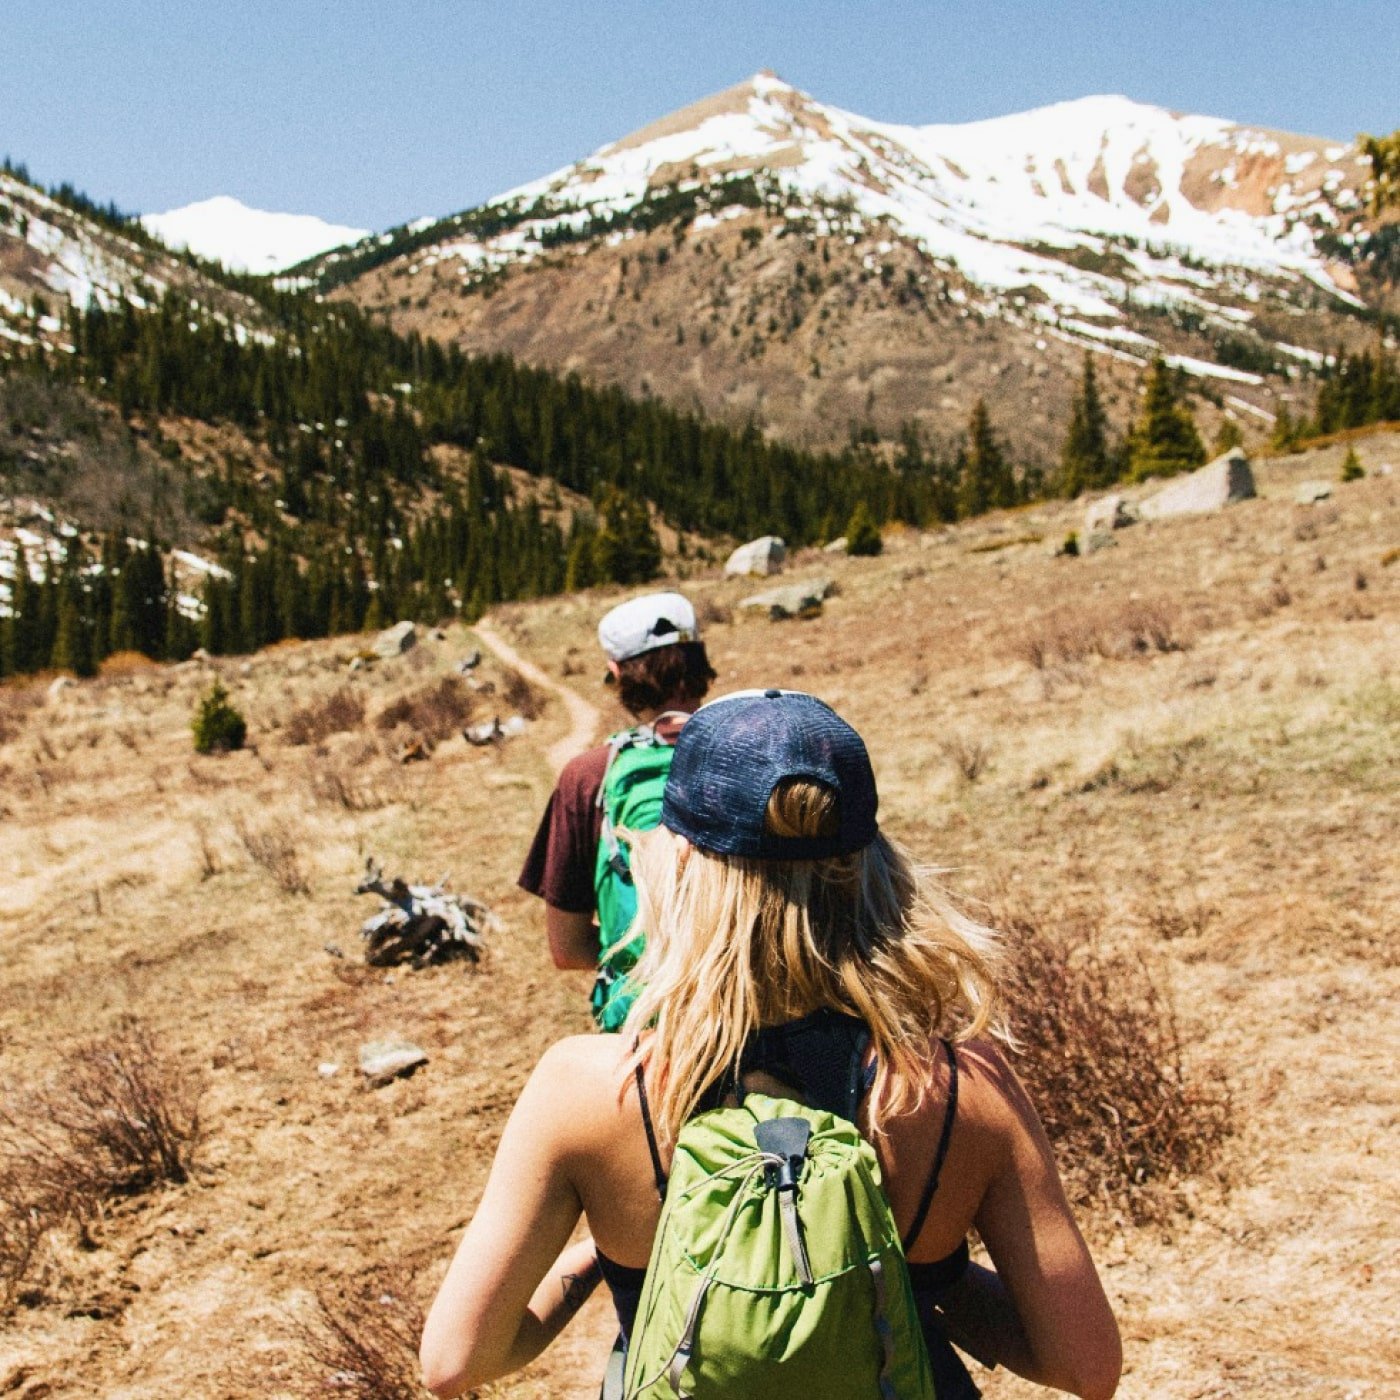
pixel 630 797
pixel 777 1269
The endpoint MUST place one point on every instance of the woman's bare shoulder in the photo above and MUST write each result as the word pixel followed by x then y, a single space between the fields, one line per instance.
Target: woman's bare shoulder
pixel 989 1090
pixel 582 1068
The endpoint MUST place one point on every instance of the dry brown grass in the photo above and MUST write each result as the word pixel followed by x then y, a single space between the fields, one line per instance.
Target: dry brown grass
pixel 117 1118
pixel 1098 1046
pixel 1242 845
pixel 339 712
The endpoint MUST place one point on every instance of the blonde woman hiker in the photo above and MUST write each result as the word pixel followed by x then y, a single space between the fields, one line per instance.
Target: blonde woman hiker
pixel 781 1158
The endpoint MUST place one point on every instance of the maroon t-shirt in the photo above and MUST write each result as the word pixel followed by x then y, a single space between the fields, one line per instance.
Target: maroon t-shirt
pixel 564 854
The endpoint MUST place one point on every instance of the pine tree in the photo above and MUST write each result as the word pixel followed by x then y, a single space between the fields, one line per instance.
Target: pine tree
pixel 985 479
pixel 862 533
pixel 1286 432
pixel 1164 439
pixel 1084 459
pixel 1228 435
pixel 626 549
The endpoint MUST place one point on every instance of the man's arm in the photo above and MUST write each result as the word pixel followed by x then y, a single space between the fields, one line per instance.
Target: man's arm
pixel 573 939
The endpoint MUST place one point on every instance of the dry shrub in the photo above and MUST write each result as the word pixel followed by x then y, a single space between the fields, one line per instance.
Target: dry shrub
pixel 709 613
pixel 1133 627
pixel 341 711
pixel 521 696
pixel 1098 1047
pixel 969 757
pixel 348 788
pixel 118 1118
pixel 433 713
pixel 126 663
pixel 361 1343
pixel 273 848
pixel 17 703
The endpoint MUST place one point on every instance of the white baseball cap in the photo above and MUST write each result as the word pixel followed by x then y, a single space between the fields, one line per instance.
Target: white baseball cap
pixel 643 624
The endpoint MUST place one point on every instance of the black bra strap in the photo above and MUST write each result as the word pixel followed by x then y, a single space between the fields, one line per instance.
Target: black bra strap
pixel 657 1169
pixel 931 1185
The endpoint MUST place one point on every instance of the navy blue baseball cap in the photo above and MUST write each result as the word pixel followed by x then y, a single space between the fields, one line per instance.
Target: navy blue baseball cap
pixel 733 752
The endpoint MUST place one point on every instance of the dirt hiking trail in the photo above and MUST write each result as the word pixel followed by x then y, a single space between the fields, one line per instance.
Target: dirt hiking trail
pixel 584 717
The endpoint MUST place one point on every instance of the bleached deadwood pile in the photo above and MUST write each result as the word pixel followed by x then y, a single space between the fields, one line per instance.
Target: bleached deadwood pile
pixel 421 924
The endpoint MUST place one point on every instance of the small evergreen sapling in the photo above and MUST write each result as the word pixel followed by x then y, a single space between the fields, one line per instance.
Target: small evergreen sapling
pixel 217 725
pixel 862 533
pixel 1352 470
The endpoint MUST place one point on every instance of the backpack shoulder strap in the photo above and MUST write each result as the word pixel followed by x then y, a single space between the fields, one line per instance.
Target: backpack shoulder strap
pixel 658 1171
pixel 931 1185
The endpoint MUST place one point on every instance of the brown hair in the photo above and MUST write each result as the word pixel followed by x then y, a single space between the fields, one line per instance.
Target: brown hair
pixel 677 676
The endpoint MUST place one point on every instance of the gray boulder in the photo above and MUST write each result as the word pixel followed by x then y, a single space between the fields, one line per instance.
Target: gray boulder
pixel 1309 493
pixel 762 556
pixel 1217 484
pixel 837 546
pixel 1109 513
pixel 394 641
pixel 791 600
pixel 384 1060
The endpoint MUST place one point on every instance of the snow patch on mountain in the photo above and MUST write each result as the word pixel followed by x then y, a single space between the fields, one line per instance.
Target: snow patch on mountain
pixel 248 240
pixel 1075 207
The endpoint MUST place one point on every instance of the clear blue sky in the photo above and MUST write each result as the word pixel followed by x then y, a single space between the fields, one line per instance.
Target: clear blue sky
pixel 372 112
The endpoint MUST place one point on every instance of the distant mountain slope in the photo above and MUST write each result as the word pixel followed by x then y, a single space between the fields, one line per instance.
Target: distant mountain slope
pixel 998 251
pixel 248 240
pixel 55 254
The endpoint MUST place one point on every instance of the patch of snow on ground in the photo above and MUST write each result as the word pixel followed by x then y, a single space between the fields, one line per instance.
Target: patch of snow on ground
pixel 1206 369
pixel 198 564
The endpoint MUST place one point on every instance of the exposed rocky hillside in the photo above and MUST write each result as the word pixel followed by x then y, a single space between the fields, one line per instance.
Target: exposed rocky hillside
pixel 761 254
pixel 56 254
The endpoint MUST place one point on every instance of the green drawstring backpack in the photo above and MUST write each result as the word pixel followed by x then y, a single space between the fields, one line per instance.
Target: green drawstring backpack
pixel 777 1270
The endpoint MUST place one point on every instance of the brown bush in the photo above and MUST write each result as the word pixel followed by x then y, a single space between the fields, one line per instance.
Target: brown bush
pixel 969 757
pixel 17 703
pixel 350 789
pixel 341 711
pixel 118 1118
pixel 126 663
pixel 521 696
pixel 273 848
pixel 1098 1047
pixel 1113 631
pixel 433 713
pixel 361 1343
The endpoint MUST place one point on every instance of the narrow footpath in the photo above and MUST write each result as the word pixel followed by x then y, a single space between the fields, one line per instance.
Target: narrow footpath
pixel 584 717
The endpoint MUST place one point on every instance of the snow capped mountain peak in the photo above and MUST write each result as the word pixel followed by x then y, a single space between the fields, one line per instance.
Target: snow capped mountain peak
pixel 248 240
pixel 1024 204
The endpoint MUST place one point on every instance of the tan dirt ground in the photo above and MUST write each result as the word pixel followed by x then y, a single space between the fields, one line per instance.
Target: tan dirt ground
pixel 1230 808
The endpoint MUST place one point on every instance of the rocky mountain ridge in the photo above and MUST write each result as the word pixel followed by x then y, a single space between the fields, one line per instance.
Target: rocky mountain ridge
pixel 1100 224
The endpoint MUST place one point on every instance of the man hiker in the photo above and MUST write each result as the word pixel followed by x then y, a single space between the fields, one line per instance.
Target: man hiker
pixel 577 863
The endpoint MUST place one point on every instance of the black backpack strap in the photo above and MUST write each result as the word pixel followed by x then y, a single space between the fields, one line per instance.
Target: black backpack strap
pixel 657 1169
pixel 931 1185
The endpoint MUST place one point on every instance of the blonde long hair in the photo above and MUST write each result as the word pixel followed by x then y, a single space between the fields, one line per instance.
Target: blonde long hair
pixel 734 944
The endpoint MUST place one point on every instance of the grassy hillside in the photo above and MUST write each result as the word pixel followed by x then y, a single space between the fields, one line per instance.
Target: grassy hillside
pixel 1181 749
